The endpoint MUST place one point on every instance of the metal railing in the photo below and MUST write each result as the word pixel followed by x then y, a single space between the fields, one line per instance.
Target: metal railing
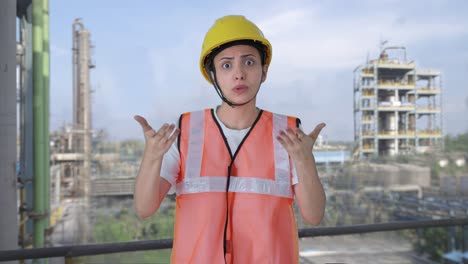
pixel 69 252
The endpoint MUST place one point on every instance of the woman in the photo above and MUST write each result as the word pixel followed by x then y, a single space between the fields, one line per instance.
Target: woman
pixel 236 168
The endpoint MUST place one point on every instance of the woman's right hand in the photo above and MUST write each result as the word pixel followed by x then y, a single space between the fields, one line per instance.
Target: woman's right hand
pixel 157 143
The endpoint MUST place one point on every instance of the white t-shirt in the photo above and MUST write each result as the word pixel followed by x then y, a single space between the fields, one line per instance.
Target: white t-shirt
pixel 170 168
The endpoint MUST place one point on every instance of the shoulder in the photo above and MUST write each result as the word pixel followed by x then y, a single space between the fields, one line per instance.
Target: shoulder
pixel 278 114
pixel 290 119
pixel 184 117
pixel 206 110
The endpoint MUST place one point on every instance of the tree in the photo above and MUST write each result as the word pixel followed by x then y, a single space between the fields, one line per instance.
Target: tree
pixel 124 226
pixel 458 143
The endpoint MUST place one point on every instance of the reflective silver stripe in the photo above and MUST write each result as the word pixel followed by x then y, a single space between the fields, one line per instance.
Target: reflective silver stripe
pixel 282 169
pixel 195 145
pixel 194 183
pixel 201 184
pixel 237 184
pixel 260 186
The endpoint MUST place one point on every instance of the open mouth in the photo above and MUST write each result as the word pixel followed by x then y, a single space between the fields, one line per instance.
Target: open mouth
pixel 240 89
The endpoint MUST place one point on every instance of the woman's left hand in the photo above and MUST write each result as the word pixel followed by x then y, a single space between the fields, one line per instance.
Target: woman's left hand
pixel 299 145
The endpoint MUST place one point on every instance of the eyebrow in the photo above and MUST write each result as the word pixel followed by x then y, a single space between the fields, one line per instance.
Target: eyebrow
pixel 242 56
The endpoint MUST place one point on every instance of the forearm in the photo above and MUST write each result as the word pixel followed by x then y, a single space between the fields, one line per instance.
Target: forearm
pixel 147 197
pixel 150 189
pixel 309 192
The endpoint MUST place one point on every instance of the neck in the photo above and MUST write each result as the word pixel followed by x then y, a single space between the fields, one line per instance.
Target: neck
pixel 238 117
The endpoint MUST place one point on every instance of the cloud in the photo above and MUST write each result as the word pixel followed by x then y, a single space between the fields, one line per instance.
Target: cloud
pixel 302 40
pixel 281 23
pixel 154 70
pixel 314 55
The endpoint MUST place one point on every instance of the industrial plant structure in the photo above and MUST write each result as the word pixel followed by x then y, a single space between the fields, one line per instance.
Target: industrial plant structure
pixel 71 145
pixel 397 107
pixel 63 158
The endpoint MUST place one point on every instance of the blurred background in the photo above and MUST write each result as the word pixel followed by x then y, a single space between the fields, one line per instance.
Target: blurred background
pixel 389 78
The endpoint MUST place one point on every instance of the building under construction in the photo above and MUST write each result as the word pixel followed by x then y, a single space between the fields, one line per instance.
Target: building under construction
pixel 397 107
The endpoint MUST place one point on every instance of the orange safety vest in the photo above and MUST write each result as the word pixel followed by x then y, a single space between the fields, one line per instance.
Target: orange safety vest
pixel 252 223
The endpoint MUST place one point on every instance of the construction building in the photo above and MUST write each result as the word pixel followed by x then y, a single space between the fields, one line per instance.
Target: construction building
pixel 397 107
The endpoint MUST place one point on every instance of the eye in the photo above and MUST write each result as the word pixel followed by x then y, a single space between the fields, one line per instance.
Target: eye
pixel 249 62
pixel 226 65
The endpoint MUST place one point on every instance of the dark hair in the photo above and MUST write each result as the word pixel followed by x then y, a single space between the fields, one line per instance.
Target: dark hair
pixel 258 45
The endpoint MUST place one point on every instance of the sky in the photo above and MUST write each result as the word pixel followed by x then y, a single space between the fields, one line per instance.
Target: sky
pixel 146 55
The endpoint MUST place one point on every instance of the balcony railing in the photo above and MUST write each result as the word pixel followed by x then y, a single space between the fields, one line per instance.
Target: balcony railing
pixel 403 133
pixel 427 91
pixel 367 71
pixel 422 110
pixel 70 252
pixel 394 64
pixel 396 84
pixel 430 133
pixel 368 149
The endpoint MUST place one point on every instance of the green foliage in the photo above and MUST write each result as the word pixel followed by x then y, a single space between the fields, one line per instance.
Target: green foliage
pixel 124 226
pixel 142 257
pixel 105 147
pixel 132 148
pixel 458 143
pixel 433 241
pixel 403 159
pixel 129 147
pixel 435 171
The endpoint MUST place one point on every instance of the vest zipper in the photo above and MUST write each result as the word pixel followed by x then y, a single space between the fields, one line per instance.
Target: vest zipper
pixel 233 157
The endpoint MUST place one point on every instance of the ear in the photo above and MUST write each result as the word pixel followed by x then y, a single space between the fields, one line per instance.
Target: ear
pixel 265 72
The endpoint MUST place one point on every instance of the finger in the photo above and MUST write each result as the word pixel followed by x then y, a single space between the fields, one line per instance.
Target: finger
pixel 281 141
pixel 162 130
pixel 300 134
pixel 285 138
pixel 143 123
pixel 166 130
pixel 292 136
pixel 314 134
pixel 174 135
pixel 150 133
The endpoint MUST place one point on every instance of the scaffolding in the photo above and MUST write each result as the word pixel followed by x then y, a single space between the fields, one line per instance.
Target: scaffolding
pixel 397 107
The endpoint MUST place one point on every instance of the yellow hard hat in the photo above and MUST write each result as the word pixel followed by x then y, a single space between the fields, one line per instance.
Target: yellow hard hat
pixel 228 29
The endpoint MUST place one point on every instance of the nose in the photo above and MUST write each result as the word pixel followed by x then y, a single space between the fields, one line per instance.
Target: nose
pixel 239 73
